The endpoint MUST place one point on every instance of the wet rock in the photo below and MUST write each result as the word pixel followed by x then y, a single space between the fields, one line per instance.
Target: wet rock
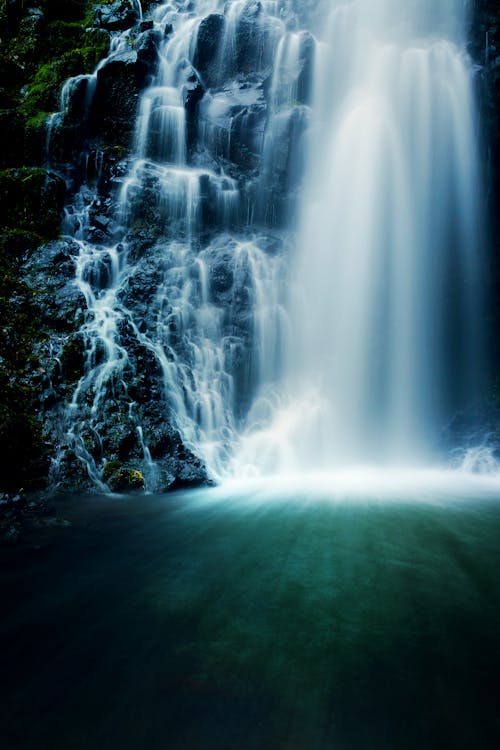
pixel 147 50
pixel 189 476
pixel 192 93
pixel 127 480
pixel 221 277
pixel 305 79
pixel 110 468
pixel 484 45
pixel 206 56
pixel 252 49
pixel 50 274
pixel 72 358
pixel 119 83
pixel 116 16
pixel 75 105
pixel 282 170
pixel 235 119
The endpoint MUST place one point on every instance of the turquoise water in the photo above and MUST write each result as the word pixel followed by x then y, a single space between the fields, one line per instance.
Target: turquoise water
pixel 258 618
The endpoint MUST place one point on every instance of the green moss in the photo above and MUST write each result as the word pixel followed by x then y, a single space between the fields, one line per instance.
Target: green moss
pixel 111 467
pixel 37 54
pixel 44 58
pixel 126 480
pixel 43 93
pixel 95 46
pixel 37 121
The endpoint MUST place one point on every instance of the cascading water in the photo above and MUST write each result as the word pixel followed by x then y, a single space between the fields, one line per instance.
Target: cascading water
pixel 305 178
pixel 384 302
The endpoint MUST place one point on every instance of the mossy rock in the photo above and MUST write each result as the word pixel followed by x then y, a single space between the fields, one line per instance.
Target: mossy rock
pixel 110 468
pixel 71 51
pixel 127 480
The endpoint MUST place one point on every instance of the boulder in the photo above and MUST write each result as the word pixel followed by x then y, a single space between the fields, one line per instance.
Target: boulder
pixel 116 16
pixel 119 83
pixel 50 273
pixel 127 480
pixel 208 42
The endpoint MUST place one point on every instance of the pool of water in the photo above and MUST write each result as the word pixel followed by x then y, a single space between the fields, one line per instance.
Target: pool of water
pixel 300 616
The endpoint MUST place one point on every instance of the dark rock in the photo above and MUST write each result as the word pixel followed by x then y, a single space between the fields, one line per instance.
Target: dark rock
pixel 116 16
pixel 189 477
pixel 305 79
pixel 221 278
pixel 119 83
pixel 32 200
pixel 192 93
pixel 147 51
pixel 485 49
pixel 101 222
pixel 16 245
pixel 282 171
pixel 236 118
pixel 75 100
pixel 50 274
pixel 12 132
pixel 251 48
pixel 206 55
pixel 72 357
pixel 10 536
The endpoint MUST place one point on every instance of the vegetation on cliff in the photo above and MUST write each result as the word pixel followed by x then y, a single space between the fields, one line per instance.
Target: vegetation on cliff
pixel 42 43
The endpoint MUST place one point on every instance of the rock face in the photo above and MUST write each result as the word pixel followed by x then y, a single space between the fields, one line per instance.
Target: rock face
pixel 119 83
pixel 485 48
pixel 145 221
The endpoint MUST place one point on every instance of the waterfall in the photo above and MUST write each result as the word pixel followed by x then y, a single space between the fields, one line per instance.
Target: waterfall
pixel 384 299
pixel 294 240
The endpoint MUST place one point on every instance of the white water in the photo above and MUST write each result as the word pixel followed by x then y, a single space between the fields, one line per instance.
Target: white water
pixel 349 330
pixel 384 302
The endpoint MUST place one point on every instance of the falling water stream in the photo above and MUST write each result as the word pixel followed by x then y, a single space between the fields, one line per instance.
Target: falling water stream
pixel 384 301
pixel 317 297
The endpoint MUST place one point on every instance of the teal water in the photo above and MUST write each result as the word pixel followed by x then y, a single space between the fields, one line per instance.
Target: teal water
pixel 257 619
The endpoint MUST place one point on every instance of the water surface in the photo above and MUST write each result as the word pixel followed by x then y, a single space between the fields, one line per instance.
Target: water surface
pixel 258 618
